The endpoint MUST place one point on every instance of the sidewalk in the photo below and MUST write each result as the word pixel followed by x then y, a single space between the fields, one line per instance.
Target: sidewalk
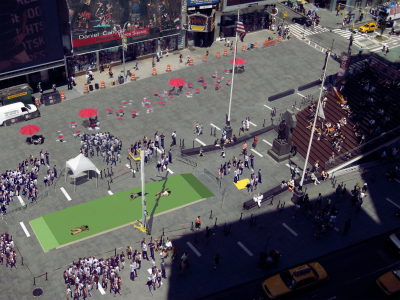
pixel 146 69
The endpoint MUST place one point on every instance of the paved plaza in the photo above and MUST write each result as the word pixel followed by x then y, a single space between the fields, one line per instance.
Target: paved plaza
pixel 270 71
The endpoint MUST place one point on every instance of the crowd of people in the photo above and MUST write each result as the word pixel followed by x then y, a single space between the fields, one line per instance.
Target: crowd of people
pixel 105 143
pixel 87 274
pixel 7 252
pixel 23 181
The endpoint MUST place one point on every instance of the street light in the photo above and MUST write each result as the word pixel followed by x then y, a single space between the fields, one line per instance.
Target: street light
pixel 124 46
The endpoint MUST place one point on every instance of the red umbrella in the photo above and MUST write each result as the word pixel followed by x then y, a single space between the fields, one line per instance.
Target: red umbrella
pixel 88 112
pixel 121 109
pixel 125 102
pixel 120 119
pixel 177 82
pixel 29 129
pixel 78 131
pixel 133 111
pixel 239 61
pixel 108 109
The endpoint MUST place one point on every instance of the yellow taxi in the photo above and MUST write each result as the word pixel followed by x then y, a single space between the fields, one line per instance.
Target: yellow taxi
pixel 389 283
pixel 294 280
pixel 369 27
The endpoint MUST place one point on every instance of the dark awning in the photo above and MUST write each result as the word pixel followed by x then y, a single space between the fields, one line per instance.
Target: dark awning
pixel 51 65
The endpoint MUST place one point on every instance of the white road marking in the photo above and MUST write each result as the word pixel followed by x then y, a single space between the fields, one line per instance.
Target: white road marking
pixel 290 229
pixel 395 204
pixel 297 108
pixel 111 193
pixel 193 248
pixel 169 170
pixel 268 107
pixel 245 249
pixel 24 228
pixel 337 229
pixel 252 150
pixel 200 142
pixel 65 193
pixel 158 150
pixel 397 180
pixel 252 124
pixel 289 166
pixel 267 142
pixel 215 126
pixel 300 95
pixel 20 200
pixel 133 171
pixel 97 170
pixel 101 290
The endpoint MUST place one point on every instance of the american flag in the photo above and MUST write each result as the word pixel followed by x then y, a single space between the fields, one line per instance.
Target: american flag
pixel 240 29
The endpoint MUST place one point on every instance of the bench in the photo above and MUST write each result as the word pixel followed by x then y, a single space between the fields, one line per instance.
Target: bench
pixel 274 192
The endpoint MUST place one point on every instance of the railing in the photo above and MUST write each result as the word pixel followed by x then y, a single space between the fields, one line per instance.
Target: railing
pixel 184 158
pixel 214 178
pixel 366 147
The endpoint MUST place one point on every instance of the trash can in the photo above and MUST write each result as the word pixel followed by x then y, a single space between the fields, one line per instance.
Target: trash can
pixel 91 87
pixel 96 85
pixel 121 80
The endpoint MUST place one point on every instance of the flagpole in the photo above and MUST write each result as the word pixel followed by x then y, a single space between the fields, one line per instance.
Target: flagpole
pixel 233 75
pixel 315 122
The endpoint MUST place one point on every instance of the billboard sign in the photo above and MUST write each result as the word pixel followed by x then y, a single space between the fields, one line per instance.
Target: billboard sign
pixel 97 25
pixel 201 2
pixel 231 5
pixel 29 34
pixel 344 63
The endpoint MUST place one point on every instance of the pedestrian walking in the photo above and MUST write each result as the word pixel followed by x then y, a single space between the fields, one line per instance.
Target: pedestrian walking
pixel 319 200
pixel 216 260
pixel 347 226
pixel 208 233
pixel 384 46
pixel 198 223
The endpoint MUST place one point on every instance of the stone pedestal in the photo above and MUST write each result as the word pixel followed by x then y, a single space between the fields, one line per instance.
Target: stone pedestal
pixel 298 195
pixel 279 151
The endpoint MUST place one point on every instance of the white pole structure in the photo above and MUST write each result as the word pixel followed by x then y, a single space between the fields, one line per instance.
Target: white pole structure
pixel 233 74
pixel 315 121
pixel 143 191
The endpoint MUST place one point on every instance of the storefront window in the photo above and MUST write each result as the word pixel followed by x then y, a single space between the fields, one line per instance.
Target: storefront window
pixel 170 42
pixel 80 63
pixel 111 55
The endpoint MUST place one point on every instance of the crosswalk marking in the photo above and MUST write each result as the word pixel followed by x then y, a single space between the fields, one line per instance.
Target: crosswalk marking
pixel 346 34
pixel 65 194
pixel 111 193
pixel 298 30
pixel 252 150
pixel 268 107
pixel 252 124
pixel 267 142
pixel 215 126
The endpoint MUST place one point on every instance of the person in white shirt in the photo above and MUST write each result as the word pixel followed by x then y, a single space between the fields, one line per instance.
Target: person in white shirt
pixel 258 198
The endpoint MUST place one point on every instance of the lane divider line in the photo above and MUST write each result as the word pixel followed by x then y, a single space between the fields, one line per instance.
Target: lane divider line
pixel 259 154
pixel 65 194
pixel 245 249
pixel 395 204
pixel 101 290
pixel 300 95
pixel 169 170
pixel 267 142
pixel 215 126
pixel 290 229
pixel 194 249
pixel 252 124
pixel 200 142
pixel 268 107
pixel 24 228
pixel 20 200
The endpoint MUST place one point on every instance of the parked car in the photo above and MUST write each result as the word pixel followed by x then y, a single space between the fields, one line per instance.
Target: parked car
pixel 389 282
pixel 369 27
pixel 294 280
pixel 302 21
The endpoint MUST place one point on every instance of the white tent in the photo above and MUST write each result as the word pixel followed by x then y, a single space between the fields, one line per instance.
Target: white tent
pixel 78 165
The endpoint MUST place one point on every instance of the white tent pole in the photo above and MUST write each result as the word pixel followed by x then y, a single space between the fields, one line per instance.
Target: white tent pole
pixel 143 191
pixel 74 185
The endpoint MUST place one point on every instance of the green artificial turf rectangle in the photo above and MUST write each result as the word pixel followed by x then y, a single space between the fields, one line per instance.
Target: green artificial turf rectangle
pixel 117 210
pixel 44 234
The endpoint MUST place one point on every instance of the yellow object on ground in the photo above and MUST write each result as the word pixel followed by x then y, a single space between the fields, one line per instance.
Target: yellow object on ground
pixel 241 184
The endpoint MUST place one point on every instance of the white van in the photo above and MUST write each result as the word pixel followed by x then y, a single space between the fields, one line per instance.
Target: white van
pixel 17 112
